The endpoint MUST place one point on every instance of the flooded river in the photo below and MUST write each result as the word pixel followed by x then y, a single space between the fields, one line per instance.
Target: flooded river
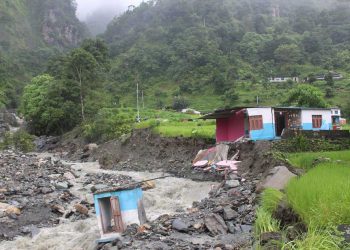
pixel 171 195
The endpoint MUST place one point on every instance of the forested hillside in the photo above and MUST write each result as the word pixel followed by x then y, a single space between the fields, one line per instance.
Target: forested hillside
pixel 31 32
pixel 218 52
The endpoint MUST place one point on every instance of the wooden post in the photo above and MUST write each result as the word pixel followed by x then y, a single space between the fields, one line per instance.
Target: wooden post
pixel 116 214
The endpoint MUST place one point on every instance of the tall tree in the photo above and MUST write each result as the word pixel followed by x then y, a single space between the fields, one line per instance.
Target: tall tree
pixel 305 95
pixel 82 69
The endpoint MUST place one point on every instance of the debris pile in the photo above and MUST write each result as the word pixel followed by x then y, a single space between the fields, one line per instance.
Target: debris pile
pixel 221 221
pixel 35 193
pixel 100 181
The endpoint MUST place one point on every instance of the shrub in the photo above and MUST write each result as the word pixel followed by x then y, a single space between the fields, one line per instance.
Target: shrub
pixel 20 140
pixel 109 123
pixel 180 103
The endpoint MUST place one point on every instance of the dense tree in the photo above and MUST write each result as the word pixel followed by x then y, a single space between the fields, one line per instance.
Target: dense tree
pixel 46 107
pixel 180 103
pixel 306 96
pixel 287 54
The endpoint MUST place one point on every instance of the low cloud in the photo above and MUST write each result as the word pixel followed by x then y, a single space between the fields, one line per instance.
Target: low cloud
pixel 88 7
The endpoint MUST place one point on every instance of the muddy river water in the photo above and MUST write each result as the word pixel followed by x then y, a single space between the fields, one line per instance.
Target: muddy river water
pixel 171 195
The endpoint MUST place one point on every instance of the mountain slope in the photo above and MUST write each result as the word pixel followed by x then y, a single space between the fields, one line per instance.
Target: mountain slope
pixel 31 32
pixel 224 49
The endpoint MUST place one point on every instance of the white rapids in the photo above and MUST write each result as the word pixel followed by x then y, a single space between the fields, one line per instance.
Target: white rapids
pixel 170 196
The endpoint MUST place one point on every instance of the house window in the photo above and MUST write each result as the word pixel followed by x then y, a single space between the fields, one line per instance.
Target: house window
pixel 316 121
pixel 255 122
pixel 336 112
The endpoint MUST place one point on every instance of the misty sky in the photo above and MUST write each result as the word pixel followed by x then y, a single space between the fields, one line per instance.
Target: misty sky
pixel 86 7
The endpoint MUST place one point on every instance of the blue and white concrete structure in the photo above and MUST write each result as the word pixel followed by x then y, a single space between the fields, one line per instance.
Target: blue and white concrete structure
pixel 306 119
pixel 268 123
pixel 129 210
pixel 268 130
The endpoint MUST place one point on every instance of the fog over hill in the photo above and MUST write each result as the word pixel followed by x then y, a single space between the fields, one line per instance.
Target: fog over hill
pixel 98 13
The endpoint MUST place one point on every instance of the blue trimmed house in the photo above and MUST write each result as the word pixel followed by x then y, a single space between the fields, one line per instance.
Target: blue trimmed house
pixel 268 123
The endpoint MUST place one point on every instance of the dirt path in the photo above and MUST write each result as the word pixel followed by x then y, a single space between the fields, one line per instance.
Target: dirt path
pixel 171 195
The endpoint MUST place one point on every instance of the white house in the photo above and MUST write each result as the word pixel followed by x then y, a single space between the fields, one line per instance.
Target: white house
pixel 283 79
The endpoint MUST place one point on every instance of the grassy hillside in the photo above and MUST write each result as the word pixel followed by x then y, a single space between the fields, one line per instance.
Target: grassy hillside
pixel 220 53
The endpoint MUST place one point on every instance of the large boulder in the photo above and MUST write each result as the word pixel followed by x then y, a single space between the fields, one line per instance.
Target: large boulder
pixel 277 178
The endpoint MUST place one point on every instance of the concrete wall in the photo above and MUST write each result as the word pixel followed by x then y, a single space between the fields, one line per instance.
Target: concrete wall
pixel 268 131
pixel 128 200
pixel 306 119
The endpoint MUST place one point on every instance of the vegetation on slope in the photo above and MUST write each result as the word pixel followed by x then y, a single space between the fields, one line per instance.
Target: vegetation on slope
pixel 220 53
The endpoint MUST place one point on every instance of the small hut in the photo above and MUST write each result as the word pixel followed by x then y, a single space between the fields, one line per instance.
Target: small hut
pixel 117 208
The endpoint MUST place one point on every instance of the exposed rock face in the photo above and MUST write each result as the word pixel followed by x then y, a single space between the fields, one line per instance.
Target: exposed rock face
pixel 58 33
pixel 39 22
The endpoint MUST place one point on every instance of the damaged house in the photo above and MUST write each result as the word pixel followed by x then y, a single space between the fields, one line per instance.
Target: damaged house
pixel 269 123
pixel 117 208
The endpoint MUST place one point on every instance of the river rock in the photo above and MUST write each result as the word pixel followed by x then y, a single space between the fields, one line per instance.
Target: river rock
pixel 215 224
pixel 246 228
pixel 232 183
pixel 46 190
pixel 62 185
pixel 277 178
pixel 12 210
pixel 179 225
pixel 229 213
pixel 69 176
pixel 81 208
pixel 90 147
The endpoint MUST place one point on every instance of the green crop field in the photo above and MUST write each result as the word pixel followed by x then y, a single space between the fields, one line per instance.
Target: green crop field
pixel 306 160
pixel 321 196
pixel 174 124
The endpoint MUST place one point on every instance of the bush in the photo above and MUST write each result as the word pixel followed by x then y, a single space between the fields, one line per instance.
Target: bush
pixel 180 103
pixel 20 140
pixel 109 123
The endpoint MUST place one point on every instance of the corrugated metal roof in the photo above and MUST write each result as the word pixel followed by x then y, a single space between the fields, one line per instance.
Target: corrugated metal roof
pixel 225 113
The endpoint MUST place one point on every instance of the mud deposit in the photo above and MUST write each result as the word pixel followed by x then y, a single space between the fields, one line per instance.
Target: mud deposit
pixel 170 196
pixel 143 151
